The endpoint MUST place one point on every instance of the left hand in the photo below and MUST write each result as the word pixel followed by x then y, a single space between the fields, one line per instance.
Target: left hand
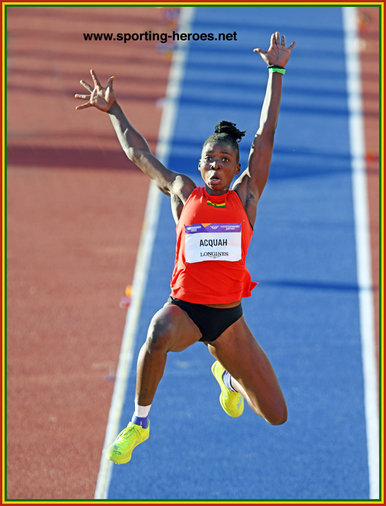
pixel 278 53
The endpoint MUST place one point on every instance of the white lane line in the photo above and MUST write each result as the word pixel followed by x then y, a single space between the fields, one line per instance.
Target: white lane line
pixel 144 252
pixel 362 234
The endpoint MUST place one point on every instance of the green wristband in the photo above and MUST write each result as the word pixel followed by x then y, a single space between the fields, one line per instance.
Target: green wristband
pixel 273 69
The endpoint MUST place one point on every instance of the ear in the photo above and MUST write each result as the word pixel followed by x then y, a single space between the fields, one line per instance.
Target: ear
pixel 238 168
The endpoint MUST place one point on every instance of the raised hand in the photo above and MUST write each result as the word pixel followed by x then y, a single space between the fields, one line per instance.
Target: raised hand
pixel 278 53
pixel 99 97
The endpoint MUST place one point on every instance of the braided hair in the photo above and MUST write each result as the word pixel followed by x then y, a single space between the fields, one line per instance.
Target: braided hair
pixel 226 132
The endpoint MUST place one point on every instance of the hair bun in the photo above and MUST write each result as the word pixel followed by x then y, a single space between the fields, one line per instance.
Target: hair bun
pixel 229 128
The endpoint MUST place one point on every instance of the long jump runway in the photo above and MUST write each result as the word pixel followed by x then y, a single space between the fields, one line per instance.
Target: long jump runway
pixel 308 310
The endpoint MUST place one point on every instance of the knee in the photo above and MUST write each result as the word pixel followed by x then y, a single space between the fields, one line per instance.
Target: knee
pixel 159 335
pixel 278 416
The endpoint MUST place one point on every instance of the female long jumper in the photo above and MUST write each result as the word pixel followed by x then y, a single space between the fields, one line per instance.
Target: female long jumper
pixel 214 227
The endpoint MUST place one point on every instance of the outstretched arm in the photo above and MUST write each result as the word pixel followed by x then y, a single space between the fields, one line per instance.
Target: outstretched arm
pixel 251 183
pixel 132 142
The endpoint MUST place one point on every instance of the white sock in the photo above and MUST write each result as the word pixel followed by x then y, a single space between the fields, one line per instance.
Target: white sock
pixel 141 411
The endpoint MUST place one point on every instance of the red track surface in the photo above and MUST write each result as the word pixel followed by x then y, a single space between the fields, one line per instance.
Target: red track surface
pixel 74 213
pixel 368 29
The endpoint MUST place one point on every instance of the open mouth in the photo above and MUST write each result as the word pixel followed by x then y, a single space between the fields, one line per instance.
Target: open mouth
pixel 213 179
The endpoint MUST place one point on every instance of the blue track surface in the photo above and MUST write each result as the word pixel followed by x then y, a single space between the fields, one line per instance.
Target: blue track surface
pixel 305 310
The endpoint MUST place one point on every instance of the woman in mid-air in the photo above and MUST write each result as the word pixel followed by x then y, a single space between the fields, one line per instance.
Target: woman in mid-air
pixel 214 229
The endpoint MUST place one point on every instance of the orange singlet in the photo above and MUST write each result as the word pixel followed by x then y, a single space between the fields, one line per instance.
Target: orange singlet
pixel 213 236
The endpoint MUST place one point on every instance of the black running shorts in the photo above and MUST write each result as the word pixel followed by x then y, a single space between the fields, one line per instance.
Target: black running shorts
pixel 211 321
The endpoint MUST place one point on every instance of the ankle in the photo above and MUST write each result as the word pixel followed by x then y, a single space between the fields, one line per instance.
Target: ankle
pixel 141 421
pixel 227 378
pixel 141 415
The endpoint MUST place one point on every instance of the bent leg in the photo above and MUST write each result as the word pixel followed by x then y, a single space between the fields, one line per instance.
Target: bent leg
pixel 171 329
pixel 252 373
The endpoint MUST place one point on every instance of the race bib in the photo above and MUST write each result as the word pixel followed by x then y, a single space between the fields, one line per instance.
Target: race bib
pixel 213 241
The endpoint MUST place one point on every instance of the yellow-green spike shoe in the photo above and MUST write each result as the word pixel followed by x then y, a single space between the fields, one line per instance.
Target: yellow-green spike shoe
pixel 231 402
pixel 131 436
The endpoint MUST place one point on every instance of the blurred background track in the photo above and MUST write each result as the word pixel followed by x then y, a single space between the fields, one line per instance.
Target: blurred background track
pixel 307 312
pixel 75 208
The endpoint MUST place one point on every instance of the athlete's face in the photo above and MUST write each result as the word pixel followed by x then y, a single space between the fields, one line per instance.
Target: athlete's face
pixel 218 166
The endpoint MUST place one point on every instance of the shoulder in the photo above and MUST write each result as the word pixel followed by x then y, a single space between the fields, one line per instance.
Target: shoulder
pixel 246 190
pixel 248 194
pixel 180 191
pixel 182 187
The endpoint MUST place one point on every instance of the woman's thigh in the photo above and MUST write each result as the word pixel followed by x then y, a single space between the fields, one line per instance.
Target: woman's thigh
pixel 171 328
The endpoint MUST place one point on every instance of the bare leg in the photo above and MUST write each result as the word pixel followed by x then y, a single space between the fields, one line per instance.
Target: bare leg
pixel 171 329
pixel 252 373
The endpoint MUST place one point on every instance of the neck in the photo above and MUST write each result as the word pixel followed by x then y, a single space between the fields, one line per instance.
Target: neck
pixel 215 193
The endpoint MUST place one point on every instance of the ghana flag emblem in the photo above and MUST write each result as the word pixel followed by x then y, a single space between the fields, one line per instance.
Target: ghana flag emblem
pixel 209 203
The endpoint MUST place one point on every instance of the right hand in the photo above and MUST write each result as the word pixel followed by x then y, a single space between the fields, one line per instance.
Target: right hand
pixel 99 97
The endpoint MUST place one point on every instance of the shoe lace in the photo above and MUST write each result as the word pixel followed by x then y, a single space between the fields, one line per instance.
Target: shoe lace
pixel 125 433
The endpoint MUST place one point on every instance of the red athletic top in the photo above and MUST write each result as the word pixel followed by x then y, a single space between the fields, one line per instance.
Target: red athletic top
pixel 213 236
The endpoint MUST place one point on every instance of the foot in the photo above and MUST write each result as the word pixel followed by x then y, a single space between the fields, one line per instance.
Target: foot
pixel 231 402
pixel 130 437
